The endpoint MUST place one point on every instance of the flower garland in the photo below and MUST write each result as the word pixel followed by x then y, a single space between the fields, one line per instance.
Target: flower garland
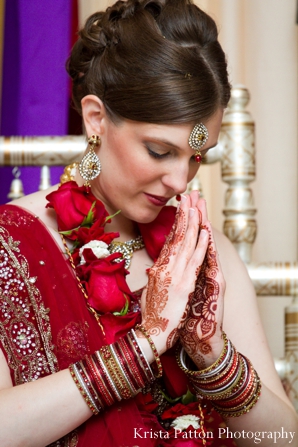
pixel 82 218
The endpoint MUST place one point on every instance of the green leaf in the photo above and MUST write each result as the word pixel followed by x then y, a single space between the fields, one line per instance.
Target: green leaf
pixel 170 399
pixel 124 310
pixel 68 232
pixel 185 399
pixel 88 221
pixel 112 215
pixel 188 397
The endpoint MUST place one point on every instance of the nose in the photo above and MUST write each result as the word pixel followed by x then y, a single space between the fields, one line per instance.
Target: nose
pixel 176 179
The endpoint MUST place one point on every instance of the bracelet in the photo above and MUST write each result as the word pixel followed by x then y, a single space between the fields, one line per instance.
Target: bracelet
pixel 82 387
pixel 114 372
pixel 211 370
pixel 231 383
pixel 140 357
pixel 153 347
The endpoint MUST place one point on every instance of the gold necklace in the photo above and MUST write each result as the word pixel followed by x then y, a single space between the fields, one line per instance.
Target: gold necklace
pixel 126 249
pixel 69 172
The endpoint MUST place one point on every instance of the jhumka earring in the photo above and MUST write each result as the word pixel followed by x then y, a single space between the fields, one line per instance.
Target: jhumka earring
pixel 197 139
pixel 90 166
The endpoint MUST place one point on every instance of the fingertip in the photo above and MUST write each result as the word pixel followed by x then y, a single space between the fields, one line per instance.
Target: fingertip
pixel 191 212
pixel 183 199
pixel 204 234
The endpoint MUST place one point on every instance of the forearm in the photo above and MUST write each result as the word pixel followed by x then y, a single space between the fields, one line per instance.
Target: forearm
pixel 271 418
pixel 40 412
pixel 37 413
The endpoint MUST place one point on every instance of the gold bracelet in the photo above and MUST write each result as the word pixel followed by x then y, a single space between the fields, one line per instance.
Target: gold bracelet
pixel 153 347
pixel 212 369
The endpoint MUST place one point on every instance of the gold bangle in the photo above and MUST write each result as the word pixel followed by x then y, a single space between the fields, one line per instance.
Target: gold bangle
pixel 153 347
pixel 115 373
pixel 210 369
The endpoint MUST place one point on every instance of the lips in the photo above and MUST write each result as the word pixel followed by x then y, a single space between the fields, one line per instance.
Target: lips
pixel 157 200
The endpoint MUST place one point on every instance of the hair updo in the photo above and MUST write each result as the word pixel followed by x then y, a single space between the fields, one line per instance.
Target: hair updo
pixel 156 61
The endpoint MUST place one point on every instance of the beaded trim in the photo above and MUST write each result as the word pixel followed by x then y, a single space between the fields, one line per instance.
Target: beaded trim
pixel 126 249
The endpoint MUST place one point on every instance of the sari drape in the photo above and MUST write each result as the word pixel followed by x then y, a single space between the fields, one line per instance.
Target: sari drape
pixel 45 326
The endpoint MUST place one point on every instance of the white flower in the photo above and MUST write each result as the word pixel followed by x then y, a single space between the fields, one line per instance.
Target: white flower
pixel 99 248
pixel 183 422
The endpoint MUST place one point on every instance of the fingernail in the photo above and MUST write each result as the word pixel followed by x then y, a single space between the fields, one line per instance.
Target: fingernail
pixel 178 197
pixel 191 212
pixel 183 198
pixel 204 233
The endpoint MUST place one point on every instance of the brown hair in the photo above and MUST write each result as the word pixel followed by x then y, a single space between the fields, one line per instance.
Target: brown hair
pixel 152 61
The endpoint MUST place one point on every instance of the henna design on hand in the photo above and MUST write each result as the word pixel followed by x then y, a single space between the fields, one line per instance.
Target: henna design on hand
pixel 201 323
pixel 160 279
pixel 174 335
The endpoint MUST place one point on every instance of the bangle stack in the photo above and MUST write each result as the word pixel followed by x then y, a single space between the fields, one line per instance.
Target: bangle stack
pixel 154 350
pixel 115 372
pixel 231 383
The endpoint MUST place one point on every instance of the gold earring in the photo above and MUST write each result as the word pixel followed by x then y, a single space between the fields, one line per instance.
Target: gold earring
pixel 90 166
pixel 197 139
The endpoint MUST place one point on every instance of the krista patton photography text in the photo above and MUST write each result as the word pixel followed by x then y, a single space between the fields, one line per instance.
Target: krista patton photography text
pixel 256 437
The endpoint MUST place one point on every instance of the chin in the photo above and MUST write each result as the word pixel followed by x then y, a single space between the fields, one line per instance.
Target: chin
pixel 146 216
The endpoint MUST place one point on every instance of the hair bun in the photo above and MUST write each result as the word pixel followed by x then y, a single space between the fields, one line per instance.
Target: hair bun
pixel 135 56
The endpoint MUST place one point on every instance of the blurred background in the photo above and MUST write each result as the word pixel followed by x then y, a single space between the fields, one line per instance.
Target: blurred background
pixel 260 40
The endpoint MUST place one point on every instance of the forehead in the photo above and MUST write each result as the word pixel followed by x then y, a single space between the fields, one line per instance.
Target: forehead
pixel 171 134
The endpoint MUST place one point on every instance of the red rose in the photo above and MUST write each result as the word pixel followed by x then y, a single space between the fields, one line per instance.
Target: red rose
pixel 94 233
pixel 105 283
pixel 154 233
pixel 116 326
pixel 72 204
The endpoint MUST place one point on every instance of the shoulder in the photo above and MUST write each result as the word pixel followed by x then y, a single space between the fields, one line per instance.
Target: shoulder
pixel 36 204
pixel 228 255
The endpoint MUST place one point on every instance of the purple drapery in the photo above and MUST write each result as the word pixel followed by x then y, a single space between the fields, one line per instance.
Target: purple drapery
pixel 35 89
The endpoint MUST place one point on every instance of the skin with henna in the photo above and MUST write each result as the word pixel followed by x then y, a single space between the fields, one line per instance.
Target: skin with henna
pixel 201 334
pixel 179 258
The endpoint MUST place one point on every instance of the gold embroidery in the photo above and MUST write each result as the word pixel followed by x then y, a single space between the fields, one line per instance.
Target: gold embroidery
pixel 25 330
pixel 70 440
pixel 13 217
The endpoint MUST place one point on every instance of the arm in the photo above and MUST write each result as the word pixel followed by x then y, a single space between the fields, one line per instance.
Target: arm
pixel 224 278
pixel 49 407
pixel 243 326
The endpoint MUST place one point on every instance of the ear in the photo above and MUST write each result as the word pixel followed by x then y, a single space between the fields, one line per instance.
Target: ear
pixel 94 113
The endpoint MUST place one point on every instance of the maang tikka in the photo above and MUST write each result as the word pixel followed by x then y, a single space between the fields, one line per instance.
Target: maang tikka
pixel 90 166
pixel 197 139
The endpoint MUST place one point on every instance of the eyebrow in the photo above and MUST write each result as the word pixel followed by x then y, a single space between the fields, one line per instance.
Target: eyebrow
pixel 169 143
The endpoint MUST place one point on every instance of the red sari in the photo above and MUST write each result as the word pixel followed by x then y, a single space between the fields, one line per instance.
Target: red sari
pixel 45 326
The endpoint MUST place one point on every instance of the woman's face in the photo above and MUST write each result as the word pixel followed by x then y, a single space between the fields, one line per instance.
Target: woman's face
pixel 144 165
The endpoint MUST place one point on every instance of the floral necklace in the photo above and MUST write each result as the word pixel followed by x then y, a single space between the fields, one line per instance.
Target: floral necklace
pixel 101 271
pixel 96 258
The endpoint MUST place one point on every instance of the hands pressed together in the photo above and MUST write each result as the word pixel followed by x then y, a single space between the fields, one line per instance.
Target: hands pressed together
pixel 184 295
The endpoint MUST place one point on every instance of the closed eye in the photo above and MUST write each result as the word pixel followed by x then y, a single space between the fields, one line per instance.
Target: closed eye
pixel 157 155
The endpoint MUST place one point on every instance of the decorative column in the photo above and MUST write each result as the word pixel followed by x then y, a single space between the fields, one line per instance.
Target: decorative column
pixel 291 350
pixel 238 170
